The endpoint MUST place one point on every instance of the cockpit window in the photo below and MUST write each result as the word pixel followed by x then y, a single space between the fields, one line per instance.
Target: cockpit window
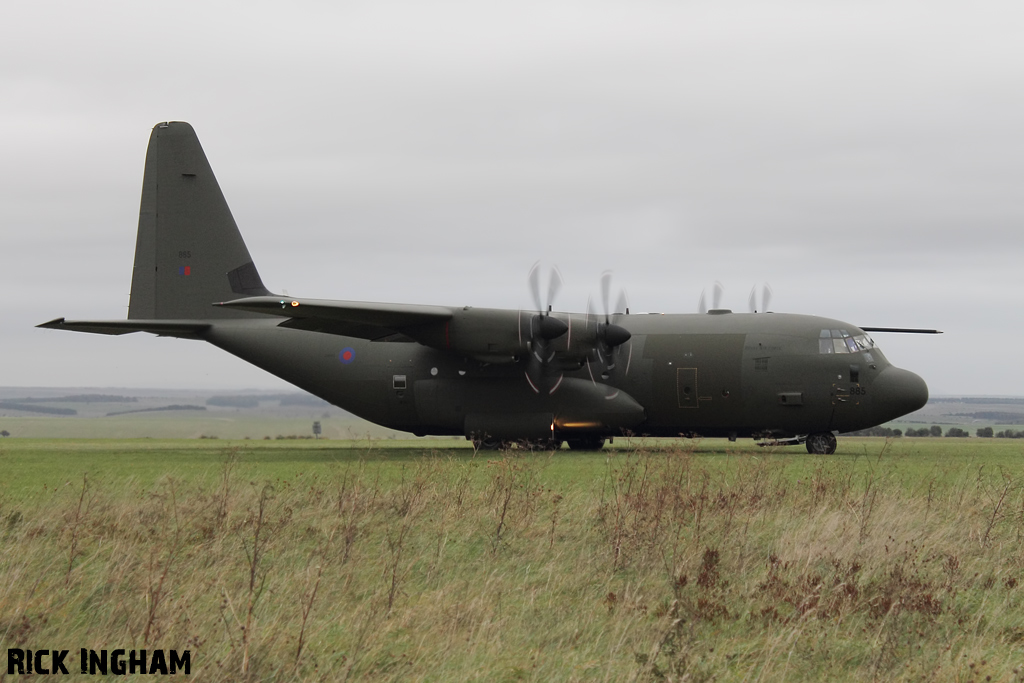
pixel 841 341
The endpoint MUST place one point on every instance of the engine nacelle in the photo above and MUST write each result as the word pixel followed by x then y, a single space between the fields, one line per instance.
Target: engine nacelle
pixel 500 336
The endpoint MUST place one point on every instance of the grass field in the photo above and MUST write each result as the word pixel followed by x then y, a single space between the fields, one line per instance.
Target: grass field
pixel 174 425
pixel 379 560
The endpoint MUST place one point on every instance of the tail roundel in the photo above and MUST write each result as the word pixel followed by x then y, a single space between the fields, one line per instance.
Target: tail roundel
pixel 188 253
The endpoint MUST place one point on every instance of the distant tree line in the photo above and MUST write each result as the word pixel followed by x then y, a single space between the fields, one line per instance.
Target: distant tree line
pixel 32 408
pixel 254 401
pixel 157 410
pixel 934 430
pixel 995 416
pixel 988 433
pixel 234 401
pixel 78 398
pixel 302 400
pixel 877 431
pixel 957 432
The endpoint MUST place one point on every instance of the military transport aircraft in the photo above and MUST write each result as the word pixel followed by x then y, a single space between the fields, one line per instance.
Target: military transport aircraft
pixel 497 376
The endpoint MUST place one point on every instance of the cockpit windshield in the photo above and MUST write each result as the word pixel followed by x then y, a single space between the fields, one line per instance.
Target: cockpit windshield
pixel 841 341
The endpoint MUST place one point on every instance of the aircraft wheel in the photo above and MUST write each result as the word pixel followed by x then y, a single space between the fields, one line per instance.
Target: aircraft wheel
pixel 487 444
pixel 586 443
pixel 540 444
pixel 821 443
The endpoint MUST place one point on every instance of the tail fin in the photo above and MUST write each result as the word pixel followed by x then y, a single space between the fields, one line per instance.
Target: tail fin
pixel 189 253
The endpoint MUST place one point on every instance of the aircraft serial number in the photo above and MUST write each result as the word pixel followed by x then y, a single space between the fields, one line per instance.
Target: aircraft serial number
pixel 184 254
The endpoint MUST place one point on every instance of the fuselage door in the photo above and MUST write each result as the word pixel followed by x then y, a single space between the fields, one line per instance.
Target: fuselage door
pixel 686 387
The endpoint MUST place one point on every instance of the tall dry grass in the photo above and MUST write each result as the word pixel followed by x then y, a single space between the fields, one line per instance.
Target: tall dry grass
pixel 453 569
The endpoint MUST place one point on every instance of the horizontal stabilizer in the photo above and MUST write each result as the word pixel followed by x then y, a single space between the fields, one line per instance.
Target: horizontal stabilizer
pixel 353 318
pixel 185 329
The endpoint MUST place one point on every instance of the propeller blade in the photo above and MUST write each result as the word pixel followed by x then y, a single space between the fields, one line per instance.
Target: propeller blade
pixel 554 285
pixel 535 370
pixel 716 297
pixel 608 337
pixel 529 380
pixel 702 305
pixel 544 328
pixel 606 291
pixel 623 304
pixel 534 281
pixel 766 298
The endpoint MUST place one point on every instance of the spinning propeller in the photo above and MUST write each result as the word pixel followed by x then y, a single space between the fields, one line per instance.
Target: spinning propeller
pixel 766 299
pixel 610 338
pixel 716 298
pixel 541 372
pixel 611 351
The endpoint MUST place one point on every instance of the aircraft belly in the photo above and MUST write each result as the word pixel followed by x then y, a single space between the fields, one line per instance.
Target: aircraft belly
pixel 501 406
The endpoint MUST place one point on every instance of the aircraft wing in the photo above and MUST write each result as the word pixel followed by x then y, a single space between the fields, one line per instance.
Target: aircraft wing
pixel 361 319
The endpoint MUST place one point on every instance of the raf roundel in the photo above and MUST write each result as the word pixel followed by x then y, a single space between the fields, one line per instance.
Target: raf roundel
pixel 347 355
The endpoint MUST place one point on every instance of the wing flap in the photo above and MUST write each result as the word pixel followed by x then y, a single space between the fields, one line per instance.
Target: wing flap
pixel 340 328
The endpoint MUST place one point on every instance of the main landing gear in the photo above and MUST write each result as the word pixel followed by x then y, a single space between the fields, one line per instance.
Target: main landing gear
pixel 821 443
pixel 491 444
pixel 578 443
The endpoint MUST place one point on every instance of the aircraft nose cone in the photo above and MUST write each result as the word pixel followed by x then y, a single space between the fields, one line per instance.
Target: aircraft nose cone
pixel 898 392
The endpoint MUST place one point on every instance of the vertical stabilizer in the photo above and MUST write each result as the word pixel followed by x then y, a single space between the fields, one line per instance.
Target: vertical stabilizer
pixel 188 253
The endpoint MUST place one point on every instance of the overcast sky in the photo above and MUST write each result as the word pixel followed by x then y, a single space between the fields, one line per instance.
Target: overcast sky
pixel 865 159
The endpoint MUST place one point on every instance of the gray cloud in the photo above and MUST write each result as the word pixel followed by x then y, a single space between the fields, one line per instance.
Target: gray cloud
pixel 864 159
